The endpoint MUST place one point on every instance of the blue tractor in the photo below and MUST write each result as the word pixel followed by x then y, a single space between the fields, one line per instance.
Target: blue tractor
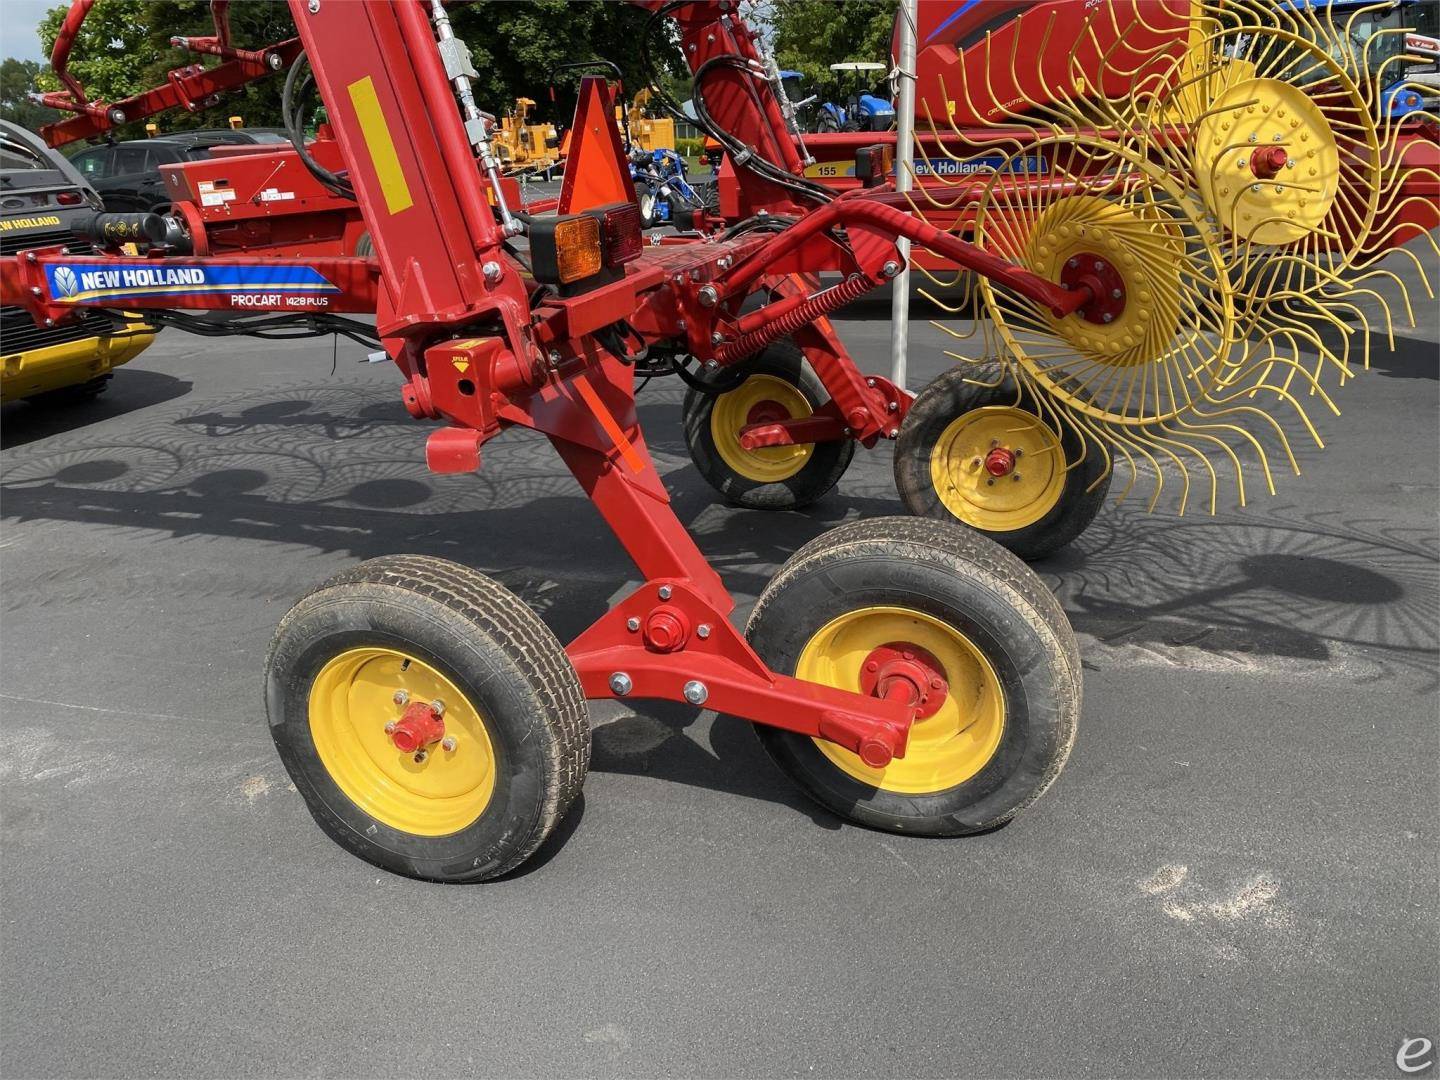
pixel 1373 29
pixel 859 109
pixel 663 188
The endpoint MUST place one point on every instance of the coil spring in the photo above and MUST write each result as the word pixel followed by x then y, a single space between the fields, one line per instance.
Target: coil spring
pixel 821 304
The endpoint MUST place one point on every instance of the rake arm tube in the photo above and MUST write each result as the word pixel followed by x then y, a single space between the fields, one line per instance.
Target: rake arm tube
pixel 853 212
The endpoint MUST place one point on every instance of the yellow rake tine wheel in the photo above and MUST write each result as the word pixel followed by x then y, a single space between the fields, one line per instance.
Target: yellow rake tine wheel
pixel 1177 321
pixel 1013 500
pixel 352 700
pixel 759 398
pixel 946 748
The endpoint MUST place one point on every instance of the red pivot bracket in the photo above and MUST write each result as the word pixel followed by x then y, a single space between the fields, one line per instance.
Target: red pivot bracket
pixel 665 640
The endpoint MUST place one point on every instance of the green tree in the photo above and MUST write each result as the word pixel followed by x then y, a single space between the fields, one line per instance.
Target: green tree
pixel 110 53
pixel 17 79
pixel 810 35
pixel 516 45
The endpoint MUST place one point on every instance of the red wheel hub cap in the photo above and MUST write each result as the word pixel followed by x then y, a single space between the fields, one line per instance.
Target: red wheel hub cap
pixel 1107 287
pixel 1000 461
pixel 1267 162
pixel 419 727
pixel 766 412
pixel 900 671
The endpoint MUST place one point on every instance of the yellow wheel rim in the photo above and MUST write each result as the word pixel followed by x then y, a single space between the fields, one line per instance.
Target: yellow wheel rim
pixel 351 701
pixel 1004 503
pixel 946 748
pixel 759 398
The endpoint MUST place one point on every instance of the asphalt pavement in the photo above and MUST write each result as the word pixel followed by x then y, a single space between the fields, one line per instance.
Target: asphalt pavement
pixel 1236 875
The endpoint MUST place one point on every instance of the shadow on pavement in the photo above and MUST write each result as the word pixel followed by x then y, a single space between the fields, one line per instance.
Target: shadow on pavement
pixel 23 422
pixel 339 468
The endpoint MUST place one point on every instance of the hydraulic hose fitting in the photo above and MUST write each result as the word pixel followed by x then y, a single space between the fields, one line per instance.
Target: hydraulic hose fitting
pixel 455 55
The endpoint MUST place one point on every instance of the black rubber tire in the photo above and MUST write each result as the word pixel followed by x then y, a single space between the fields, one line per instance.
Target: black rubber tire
pixel 961 578
pixel 951 396
pixel 827 463
pixel 708 192
pixel 496 650
pixel 78 394
pixel 365 246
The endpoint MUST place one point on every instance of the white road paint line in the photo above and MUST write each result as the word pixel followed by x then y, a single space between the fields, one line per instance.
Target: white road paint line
pixel 105 709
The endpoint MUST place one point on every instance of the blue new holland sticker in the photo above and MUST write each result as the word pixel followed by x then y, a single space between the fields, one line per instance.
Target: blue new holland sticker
pixel 79 283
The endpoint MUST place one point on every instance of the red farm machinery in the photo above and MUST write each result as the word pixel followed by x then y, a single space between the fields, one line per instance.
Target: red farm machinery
pixel 1148 249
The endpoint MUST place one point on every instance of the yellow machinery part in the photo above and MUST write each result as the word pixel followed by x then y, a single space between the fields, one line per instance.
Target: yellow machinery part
pixel 71 363
pixel 1003 503
pixel 351 701
pixel 759 398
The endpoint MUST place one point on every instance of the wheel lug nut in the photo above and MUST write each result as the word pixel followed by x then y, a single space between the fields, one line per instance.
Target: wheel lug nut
pixel 390 728
pixel 402 697
pixel 420 756
pixel 990 482
pixel 1016 476
pixel 437 707
pixel 448 744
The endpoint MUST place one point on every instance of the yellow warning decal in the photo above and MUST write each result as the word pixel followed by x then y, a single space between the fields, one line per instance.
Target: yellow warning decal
pixel 461 364
pixel 380 145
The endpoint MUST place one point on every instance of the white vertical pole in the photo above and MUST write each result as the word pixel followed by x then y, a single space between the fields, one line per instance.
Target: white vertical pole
pixel 904 162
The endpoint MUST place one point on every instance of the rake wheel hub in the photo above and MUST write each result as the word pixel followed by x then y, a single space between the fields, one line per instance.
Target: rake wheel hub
pixel 1267 162
pixel 1109 247
pixel 1088 270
